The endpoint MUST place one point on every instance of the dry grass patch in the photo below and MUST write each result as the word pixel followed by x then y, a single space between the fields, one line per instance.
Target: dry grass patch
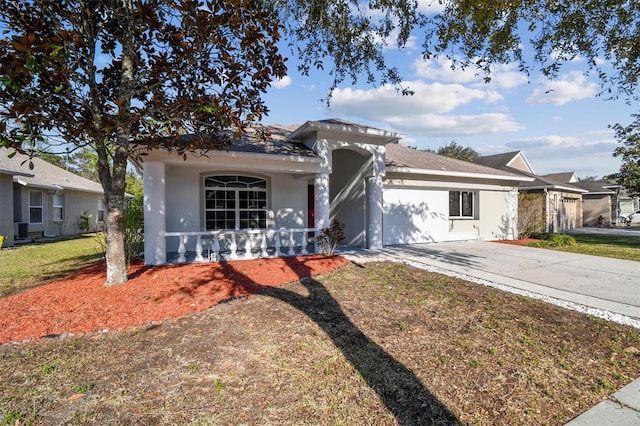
pixel 382 344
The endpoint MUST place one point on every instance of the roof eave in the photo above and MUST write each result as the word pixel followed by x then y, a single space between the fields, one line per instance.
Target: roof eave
pixel 241 155
pixel 450 173
pixel 310 126
pixel 558 187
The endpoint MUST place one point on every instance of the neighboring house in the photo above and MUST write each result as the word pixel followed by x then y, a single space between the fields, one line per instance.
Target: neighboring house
pixel 554 198
pixel 266 197
pixel 45 201
pixel 627 203
pixel 600 204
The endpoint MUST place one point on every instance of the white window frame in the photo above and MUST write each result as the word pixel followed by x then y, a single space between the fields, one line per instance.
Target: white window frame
pixel 101 211
pixel 35 207
pixel 223 195
pixel 462 213
pixel 57 201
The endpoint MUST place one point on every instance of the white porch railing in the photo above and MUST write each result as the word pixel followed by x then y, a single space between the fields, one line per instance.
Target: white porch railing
pixel 209 244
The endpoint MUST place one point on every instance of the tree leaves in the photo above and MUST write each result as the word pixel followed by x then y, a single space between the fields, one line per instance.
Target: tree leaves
pixel 629 151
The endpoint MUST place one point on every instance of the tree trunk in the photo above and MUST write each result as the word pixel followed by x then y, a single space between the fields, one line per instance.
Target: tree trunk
pixel 115 255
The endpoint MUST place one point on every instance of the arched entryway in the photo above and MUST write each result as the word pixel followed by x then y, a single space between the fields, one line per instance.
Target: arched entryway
pixel 348 193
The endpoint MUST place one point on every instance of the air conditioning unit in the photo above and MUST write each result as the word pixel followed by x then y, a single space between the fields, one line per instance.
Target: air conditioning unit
pixel 22 231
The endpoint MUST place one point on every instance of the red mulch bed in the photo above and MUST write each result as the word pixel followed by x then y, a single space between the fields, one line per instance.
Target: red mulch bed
pixel 82 303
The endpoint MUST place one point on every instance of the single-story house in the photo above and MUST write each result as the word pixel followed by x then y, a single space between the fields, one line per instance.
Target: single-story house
pixel 600 203
pixel 553 198
pixel 269 197
pixel 45 201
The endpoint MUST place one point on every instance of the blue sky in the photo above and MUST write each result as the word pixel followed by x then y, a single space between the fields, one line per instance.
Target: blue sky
pixel 560 125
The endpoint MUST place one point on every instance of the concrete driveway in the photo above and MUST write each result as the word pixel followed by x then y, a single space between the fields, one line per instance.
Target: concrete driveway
pixel 604 287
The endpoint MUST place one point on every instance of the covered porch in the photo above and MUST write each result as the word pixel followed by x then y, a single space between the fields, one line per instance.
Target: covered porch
pixel 265 198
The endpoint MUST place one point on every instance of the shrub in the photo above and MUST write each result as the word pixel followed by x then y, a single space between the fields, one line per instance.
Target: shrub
pixel 83 222
pixel 134 219
pixel 330 237
pixel 553 240
pixel 531 215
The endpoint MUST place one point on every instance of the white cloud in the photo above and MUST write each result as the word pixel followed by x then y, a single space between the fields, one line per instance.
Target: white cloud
pixel 379 104
pixel 505 76
pixel 587 154
pixel 282 82
pixel 571 87
pixel 426 112
pixel 456 125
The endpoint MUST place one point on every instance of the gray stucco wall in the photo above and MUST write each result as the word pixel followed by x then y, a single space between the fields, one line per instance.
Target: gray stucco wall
pixel 6 209
pixel 492 219
pixel 287 200
pixel 75 203
pixel 418 211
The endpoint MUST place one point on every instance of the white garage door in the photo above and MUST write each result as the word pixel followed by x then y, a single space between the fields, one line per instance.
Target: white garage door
pixel 415 215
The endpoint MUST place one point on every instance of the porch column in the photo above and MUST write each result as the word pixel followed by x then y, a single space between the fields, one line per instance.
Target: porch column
pixel 374 212
pixel 321 202
pixel 155 248
pixel 374 199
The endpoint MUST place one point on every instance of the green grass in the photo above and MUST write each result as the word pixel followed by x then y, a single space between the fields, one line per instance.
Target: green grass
pixel 28 266
pixel 618 247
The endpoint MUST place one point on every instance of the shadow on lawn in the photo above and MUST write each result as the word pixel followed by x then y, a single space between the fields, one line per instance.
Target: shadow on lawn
pixel 398 387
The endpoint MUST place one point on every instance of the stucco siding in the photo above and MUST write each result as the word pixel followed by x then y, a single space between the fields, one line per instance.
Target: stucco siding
pixel 414 215
pixel 288 208
pixel 75 203
pixel 287 200
pixel 492 221
pixel 6 209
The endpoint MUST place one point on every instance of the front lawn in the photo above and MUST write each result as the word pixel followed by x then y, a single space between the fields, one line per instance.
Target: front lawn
pixel 379 344
pixel 27 266
pixel 619 247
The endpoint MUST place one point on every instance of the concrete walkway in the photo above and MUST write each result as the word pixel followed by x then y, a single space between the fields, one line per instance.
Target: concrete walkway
pixel 607 288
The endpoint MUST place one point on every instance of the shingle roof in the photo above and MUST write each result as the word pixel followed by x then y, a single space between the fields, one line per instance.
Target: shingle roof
pixel 276 143
pixel 543 181
pixel 564 177
pixel 497 161
pixel 44 175
pixel 400 156
pixel 594 187
pixel 500 161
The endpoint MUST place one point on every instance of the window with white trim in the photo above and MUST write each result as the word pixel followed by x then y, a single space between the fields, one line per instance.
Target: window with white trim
pixel 101 210
pixel 461 204
pixel 58 207
pixel 35 207
pixel 235 202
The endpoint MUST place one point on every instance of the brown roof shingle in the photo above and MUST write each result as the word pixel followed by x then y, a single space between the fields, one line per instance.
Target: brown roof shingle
pixel 401 156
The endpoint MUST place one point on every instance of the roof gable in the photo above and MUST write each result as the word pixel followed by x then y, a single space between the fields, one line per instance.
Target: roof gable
pixel 564 177
pixel 513 160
